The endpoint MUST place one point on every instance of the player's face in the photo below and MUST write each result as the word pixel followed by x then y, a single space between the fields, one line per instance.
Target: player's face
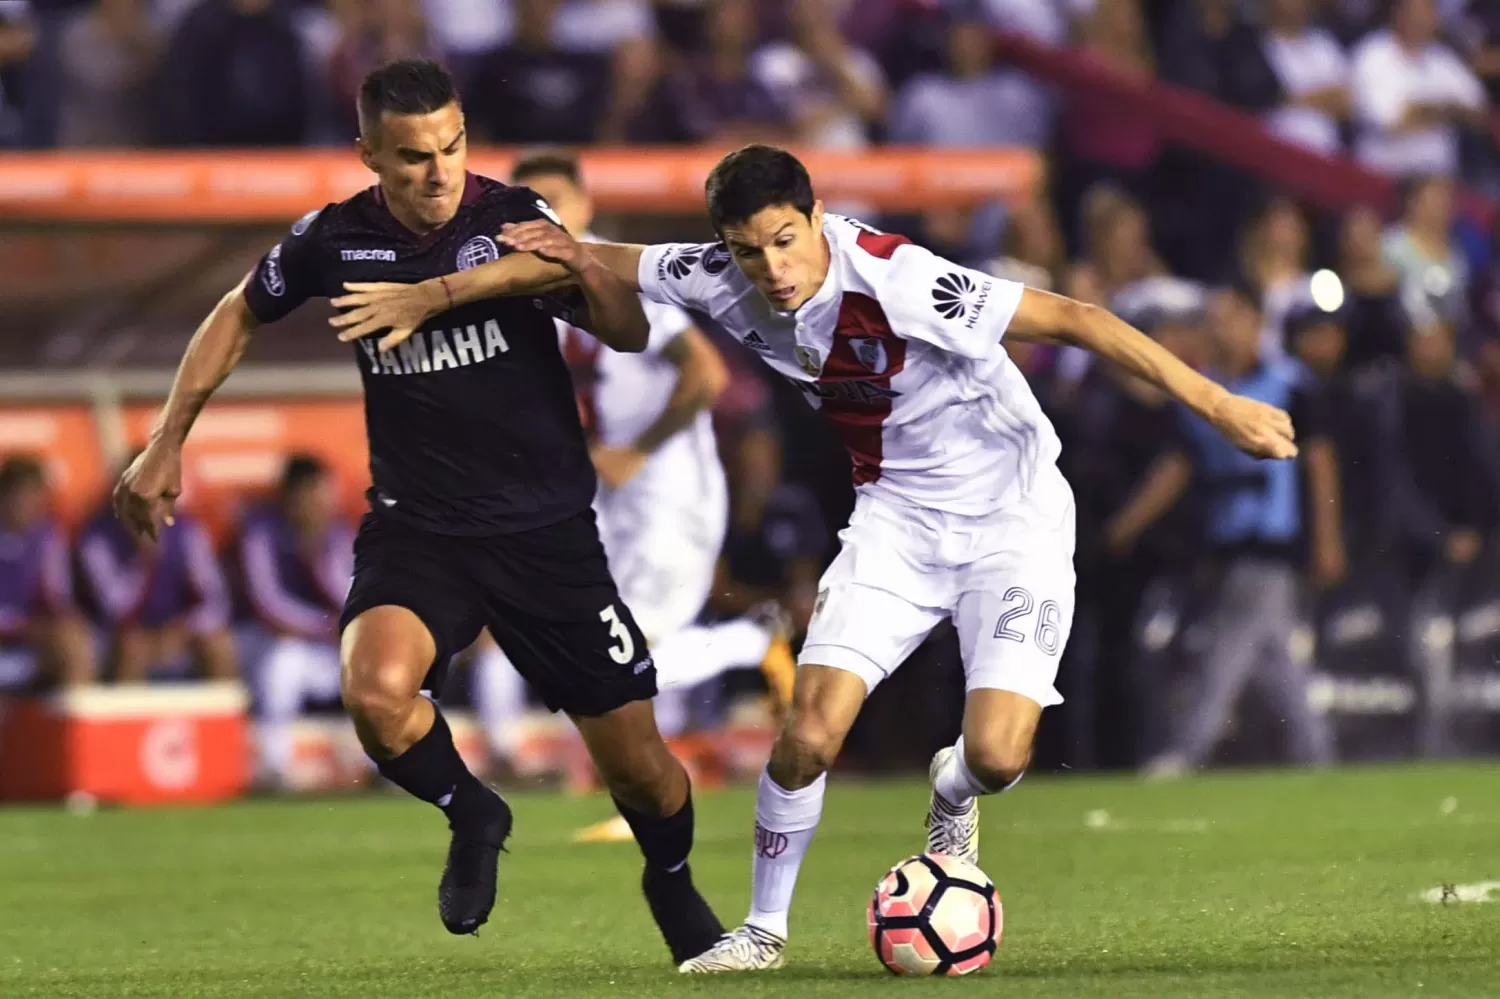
pixel 782 252
pixel 568 200
pixel 420 160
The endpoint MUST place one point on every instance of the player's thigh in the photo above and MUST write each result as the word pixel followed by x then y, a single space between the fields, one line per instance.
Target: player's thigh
pixel 587 664
pixel 1013 620
pixel 410 609
pixel 863 629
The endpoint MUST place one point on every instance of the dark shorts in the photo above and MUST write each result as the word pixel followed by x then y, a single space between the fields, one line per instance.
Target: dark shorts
pixel 545 594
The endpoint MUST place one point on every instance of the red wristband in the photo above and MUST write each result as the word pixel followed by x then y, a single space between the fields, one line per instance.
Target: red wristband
pixel 446 290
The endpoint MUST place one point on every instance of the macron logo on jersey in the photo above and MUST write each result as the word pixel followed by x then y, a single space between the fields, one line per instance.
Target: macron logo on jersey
pixel 389 256
pixel 756 342
pixel 433 350
pixel 957 297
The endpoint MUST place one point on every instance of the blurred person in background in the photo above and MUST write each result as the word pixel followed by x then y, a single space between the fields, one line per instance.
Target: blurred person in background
pixel 1258 523
pixel 43 638
pixel 157 601
pixel 1441 488
pixel 1273 261
pixel 975 100
pixel 1421 246
pixel 715 96
pixel 18 38
pixel 1411 95
pixel 1118 256
pixel 1116 244
pixel 1114 433
pixel 296 555
pixel 1101 138
pixel 1374 318
pixel 836 92
pixel 234 75
pixel 531 90
pixel 1313 73
pixel 109 54
pixel 375 32
pixel 1317 337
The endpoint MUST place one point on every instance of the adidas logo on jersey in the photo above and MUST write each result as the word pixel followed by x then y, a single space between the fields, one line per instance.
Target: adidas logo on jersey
pixel 958 297
pixel 756 342
pixel 433 350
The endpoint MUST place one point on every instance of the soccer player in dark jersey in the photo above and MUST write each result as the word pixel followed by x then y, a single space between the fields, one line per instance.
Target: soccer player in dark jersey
pixel 480 510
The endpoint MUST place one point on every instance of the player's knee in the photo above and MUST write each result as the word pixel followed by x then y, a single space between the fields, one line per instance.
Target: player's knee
pixel 806 750
pixel 377 693
pixel 997 763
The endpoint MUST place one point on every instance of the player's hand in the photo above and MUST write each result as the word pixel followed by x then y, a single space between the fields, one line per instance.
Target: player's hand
pixel 146 495
pixel 546 240
pixel 1258 429
pixel 370 307
pixel 617 465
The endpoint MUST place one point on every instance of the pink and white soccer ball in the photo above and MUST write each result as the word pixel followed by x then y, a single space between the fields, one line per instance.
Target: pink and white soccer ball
pixel 935 915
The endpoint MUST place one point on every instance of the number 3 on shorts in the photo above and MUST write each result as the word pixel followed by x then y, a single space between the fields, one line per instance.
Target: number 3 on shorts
pixel 1048 625
pixel 624 650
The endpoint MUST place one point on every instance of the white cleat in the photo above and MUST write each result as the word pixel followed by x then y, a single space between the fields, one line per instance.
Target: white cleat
pixel 748 948
pixel 951 829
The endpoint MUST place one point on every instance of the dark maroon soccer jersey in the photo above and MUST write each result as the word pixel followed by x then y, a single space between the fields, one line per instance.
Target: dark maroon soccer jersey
pixel 472 423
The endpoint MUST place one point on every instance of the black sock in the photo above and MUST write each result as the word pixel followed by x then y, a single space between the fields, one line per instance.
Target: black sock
pixel 665 842
pixel 433 771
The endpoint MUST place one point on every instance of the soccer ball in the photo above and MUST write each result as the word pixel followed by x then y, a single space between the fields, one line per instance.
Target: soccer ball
pixel 935 915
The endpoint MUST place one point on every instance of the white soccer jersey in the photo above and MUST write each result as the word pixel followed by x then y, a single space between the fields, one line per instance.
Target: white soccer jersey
pixel 901 350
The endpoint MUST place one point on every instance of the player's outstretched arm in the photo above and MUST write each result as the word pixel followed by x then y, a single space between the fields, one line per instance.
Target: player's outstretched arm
pixel 1252 426
pixel 145 494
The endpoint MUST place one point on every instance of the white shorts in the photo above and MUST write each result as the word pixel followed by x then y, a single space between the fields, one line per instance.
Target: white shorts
pixel 662 548
pixel 1006 580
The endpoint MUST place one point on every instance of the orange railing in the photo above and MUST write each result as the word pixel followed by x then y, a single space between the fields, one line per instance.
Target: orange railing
pixel 240 186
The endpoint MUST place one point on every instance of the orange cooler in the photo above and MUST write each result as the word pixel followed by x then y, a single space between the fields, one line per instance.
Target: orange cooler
pixel 131 745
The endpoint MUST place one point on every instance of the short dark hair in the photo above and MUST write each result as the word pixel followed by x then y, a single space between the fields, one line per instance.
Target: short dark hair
pixel 546 163
pixel 21 471
pixel 755 178
pixel 300 471
pixel 406 86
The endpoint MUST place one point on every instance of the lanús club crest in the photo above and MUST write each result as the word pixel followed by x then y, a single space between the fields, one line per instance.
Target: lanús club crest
pixel 476 252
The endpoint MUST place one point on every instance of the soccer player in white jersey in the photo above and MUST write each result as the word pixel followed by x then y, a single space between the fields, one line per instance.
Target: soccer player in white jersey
pixel 960 513
pixel 663 503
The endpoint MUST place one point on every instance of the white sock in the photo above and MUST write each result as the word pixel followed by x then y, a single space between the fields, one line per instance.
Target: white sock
pixel 499 698
pixel 784 825
pixel 280 684
pixel 956 783
pixel 702 652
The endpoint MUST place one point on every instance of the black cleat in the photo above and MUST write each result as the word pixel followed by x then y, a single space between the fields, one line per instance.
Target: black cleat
pixel 467 892
pixel 686 922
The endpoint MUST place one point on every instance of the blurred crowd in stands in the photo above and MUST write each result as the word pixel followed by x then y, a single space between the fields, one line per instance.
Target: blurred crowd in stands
pixel 1381 331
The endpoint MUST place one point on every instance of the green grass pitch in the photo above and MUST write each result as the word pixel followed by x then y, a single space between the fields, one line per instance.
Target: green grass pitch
pixel 1296 885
